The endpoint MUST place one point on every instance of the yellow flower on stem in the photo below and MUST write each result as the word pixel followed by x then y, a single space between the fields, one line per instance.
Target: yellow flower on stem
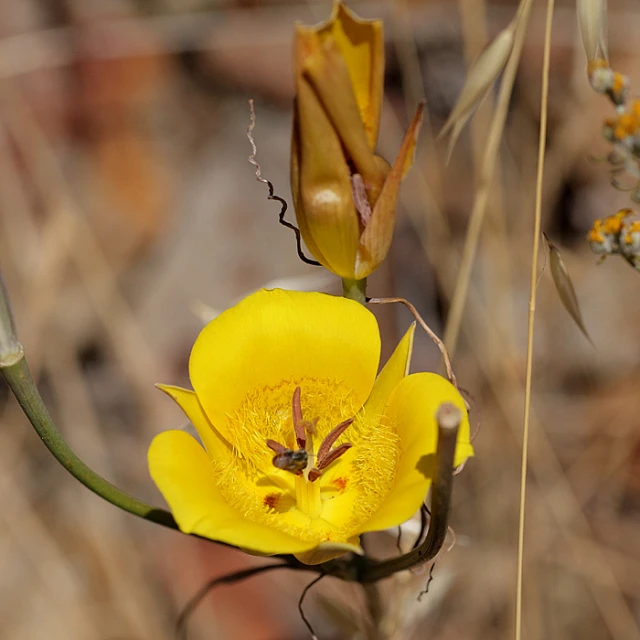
pixel 304 447
pixel 344 195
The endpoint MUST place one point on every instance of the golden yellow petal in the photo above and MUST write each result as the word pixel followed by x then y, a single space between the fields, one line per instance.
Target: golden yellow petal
pixel 182 471
pixel 376 238
pixel 395 369
pixel 326 551
pixel 275 336
pixel 297 199
pixel 326 70
pixel 361 43
pixel 412 407
pixel 214 442
pixel 325 210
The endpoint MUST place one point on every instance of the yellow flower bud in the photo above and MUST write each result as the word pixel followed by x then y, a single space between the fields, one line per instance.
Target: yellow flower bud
pixel 344 195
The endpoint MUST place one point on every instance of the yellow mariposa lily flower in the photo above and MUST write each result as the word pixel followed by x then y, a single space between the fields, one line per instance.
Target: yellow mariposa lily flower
pixel 304 447
pixel 344 194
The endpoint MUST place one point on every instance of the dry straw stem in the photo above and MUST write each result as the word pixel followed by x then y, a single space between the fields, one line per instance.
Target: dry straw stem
pixel 476 220
pixel 592 22
pixel 427 329
pixel 560 497
pixel 544 100
pixel 497 276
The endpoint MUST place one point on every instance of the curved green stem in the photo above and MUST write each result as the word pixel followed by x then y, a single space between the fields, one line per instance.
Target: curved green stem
pixel 355 290
pixel 15 371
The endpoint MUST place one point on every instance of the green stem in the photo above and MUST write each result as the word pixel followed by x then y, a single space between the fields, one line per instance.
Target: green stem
pixel 19 379
pixel 355 290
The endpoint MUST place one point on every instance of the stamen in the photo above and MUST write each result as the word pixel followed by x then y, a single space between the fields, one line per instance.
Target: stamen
pixel 333 455
pixel 276 446
pixel 333 435
pixel 298 423
pixel 314 474
pixel 310 426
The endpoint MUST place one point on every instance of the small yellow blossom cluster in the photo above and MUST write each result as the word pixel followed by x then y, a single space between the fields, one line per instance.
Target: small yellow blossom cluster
pixel 603 79
pixel 616 234
pixel 623 129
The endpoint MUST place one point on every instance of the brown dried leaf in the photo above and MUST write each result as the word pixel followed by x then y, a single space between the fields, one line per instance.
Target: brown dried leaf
pixel 564 286
pixel 592 22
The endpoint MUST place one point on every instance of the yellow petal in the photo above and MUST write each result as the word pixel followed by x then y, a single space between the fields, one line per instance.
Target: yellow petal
pixel 327 72
pixel 361 46
pixel 297 198
pixel 326 551
pixel 182 471
pixel 187 400
pixel 339 510
pixel 325 210
pixel 395 369
pixel 273 336
pixel 376 238
pixel 413 406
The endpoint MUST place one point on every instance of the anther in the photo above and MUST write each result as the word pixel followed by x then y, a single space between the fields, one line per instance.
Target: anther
pixel 314 474
pixel 298 423
pixel 333 455
pixel 276 446
pixel 332 436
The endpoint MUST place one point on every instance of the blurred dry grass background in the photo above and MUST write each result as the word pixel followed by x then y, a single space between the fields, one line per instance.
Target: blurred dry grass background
pixel 126 197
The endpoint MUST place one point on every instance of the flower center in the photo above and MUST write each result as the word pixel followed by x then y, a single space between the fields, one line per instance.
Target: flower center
pixel 350 488
pixel 307 463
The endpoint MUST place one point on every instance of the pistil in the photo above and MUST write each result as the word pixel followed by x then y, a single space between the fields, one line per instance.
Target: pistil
pixel 308 497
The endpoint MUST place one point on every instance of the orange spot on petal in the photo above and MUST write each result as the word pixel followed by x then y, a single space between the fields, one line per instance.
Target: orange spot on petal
pixel 271 500
pixel 340 483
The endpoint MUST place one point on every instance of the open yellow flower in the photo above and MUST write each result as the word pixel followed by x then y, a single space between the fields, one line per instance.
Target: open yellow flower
pixel 304 447
pixel 344 194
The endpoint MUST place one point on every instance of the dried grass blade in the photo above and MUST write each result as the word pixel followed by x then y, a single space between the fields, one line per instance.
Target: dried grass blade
pixel 564 286
pixel 483 73
pixel 592 22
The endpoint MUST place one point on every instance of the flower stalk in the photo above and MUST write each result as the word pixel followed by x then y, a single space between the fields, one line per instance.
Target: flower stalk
pixel 355 290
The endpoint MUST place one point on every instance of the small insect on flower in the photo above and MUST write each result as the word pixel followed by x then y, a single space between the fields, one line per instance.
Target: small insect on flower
pixel 288 459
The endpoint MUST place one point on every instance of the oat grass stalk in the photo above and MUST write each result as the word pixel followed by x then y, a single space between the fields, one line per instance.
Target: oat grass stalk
pixel 532 311
pixel 485 179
